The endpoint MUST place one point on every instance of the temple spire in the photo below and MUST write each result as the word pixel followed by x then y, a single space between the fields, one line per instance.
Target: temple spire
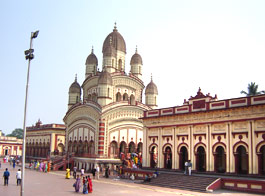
pixel 115 27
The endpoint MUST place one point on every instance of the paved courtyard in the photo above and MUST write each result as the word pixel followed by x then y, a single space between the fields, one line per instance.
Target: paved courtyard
pixel 54 183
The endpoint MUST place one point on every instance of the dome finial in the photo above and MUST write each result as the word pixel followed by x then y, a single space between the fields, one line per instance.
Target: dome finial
pixel 115 26
pixel 151 77
pixel 92 51
pixel 75 77
pixel 136 50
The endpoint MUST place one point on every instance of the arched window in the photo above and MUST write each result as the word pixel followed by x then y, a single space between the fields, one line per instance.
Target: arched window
pixel 91 147
pixel 94 97
pixel 118 96
pixel 125 97
pixel 120 64
pixel 132 100
pixel 77 99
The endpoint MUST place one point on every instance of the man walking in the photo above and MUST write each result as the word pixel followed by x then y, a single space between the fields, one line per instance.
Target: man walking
pixel 18 176
pixel 6 177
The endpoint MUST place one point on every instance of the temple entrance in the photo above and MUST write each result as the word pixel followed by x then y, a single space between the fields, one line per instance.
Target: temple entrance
pixel 153 157
pixel 183 157
pixel 6 151
pixel 262 161
pixel 241 160
pixel 168 158
pixel 220 160
pixel 201 159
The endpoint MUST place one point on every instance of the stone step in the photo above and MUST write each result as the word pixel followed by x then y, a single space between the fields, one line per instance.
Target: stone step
pixel 194 183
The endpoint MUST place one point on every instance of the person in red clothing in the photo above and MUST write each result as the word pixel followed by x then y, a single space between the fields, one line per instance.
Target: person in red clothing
pixel 89 184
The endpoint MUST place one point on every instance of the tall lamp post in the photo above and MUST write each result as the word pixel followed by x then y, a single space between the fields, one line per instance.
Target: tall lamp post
pixel 29 56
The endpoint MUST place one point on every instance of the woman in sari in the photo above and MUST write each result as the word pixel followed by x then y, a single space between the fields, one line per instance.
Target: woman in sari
pixel 77 184
pixel 89 184
pixel 85 191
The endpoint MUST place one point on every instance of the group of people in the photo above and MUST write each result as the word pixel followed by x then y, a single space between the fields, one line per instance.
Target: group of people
pixel 87 184
pixel 39 166
pixel 132 160
pixel 6 176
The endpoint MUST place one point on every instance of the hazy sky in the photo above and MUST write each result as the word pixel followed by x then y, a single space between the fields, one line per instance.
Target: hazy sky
pixel 216 45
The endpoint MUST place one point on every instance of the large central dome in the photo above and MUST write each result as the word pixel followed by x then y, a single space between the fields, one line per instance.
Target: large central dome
pixel 113 42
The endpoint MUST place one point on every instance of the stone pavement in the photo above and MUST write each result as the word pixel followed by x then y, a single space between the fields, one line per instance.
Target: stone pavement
pixel 55 184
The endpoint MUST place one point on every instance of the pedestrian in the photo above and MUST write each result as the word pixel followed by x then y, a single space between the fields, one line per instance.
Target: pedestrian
pixel 97 171
pixel 18 176
pixel 67 173
pixel 85 190
pixel 82 171
pixel 0 164
pixel 186 168
pixel 6 177
pixel 189 167
pixel 14 163
pixel 89 184
pixel 77 184
pixel 74 172
pixel 94 172
pixel 107 172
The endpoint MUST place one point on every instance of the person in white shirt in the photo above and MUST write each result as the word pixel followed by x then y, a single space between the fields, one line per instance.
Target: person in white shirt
pixel 97 172
pixel 18 176
pixel 82 171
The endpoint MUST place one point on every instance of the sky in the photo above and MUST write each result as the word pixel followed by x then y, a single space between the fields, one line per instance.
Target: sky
pixel 218 46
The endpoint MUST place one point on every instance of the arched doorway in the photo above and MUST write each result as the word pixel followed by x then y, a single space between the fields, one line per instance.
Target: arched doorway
pixel 220 160
pixel 113 149
pixel 91 147
pixel 201 159
pixel 139 147
pixel 241 160
pixel 122 147
pixel 131 147
pixel 153 157
pixel 183 157
pixel 168 158
pixel 262 160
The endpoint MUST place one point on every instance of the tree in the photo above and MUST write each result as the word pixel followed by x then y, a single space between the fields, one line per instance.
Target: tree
pixel 252 90
pixel 18 133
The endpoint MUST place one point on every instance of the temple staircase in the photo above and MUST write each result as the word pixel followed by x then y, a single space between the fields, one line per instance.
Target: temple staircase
pixel 181 181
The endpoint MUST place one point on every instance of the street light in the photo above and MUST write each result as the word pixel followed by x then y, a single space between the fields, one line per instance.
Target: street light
pixel 29 56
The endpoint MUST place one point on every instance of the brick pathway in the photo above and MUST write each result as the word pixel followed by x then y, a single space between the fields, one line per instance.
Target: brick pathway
pixel 55 184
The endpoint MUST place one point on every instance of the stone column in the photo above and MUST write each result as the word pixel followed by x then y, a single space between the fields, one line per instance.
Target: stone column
pixel 145 149
pixel 101 137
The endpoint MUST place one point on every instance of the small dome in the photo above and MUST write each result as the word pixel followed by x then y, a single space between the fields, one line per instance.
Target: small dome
pixel 105 78
pixel 92 59
pixel 151 88
pixel 75 87
pixel 136 59
pixel 114 41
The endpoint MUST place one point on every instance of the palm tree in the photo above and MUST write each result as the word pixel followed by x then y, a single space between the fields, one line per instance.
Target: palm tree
pixel 252 90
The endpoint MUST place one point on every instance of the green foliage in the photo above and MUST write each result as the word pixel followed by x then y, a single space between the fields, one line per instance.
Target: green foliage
pixel 252 90
pixel 18 133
